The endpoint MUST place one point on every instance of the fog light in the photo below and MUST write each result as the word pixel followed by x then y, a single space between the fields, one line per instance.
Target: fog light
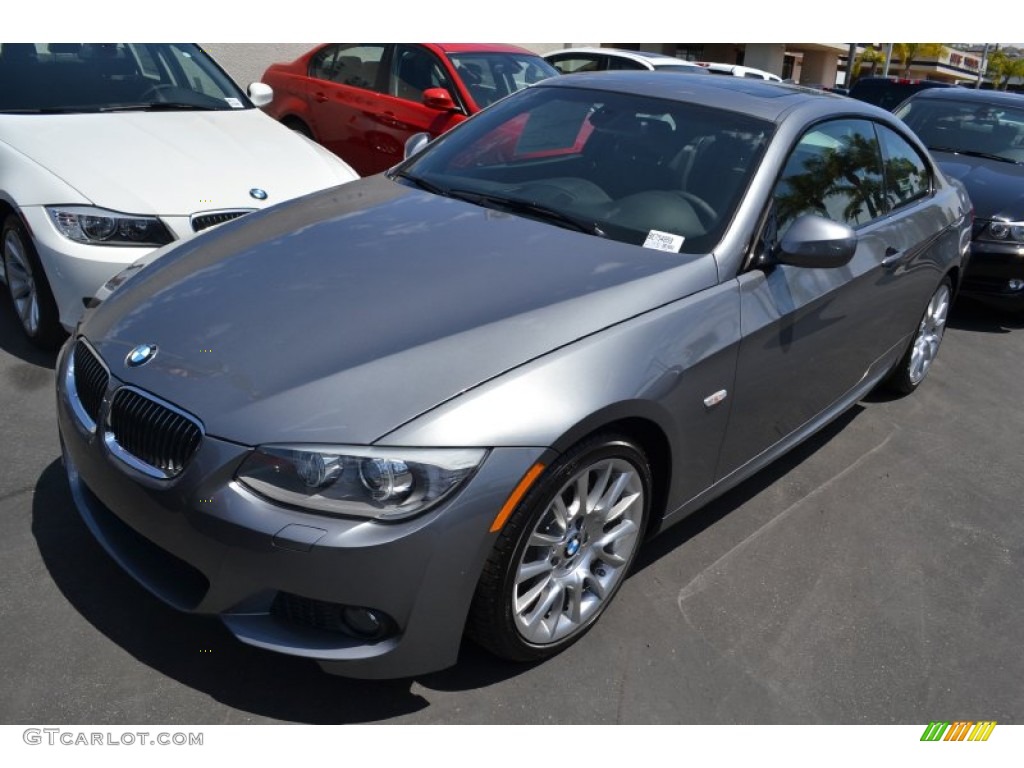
pixel 1015 285
pixel 363 621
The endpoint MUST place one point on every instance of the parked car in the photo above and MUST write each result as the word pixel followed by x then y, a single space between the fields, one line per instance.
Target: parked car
pixel 364 100
pixel 978 138
pixel 487 376
pixel 109 150
pixel 738 70
pixel 889 92
pixel 571 61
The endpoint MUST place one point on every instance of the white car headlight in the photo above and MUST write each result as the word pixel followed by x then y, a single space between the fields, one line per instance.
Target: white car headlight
pixel 377 483
pixel 1003 232
pixel 98 226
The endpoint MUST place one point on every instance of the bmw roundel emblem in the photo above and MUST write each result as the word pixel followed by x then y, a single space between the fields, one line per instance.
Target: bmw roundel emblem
pixel 141 355
pixel 259 194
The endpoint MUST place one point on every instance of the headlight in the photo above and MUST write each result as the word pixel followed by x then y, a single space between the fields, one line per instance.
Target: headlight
pixel 97 226
pixel 1003 232
pixel 378 483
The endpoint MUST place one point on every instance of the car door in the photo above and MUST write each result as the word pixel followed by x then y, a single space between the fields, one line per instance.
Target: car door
pixel 345 95
pixel 810 335
pixel 411 70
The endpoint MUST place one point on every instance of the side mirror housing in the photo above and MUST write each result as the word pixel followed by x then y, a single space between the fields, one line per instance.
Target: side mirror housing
pixel 438 98
pixel 260 94
pixel 816 242
pixel 415 143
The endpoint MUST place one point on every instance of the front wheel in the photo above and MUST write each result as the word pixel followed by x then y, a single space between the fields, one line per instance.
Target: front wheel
pixel 918 359
pixel 564 552
pixel 27 286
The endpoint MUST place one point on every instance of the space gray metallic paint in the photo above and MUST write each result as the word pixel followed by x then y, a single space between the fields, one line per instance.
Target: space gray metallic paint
pixel 446 324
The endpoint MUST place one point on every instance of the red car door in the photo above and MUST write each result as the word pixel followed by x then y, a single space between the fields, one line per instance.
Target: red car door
pixel 412 70
pixel 345 101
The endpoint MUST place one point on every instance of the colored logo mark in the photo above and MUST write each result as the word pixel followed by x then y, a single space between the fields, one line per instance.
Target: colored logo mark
pixel 961 730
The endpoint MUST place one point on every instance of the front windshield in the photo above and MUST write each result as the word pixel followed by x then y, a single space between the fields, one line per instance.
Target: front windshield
pixel 97 77
pixel 969 127
pixel 612 164
pixel 493 76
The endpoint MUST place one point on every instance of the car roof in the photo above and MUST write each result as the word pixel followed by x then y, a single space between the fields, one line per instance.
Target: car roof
pixel 971 94
pixel 765 99
pixel 642 56
pixel 481 48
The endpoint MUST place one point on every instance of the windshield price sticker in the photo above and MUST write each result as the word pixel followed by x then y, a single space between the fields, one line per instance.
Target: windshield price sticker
pixel 664 241
pixel 234 103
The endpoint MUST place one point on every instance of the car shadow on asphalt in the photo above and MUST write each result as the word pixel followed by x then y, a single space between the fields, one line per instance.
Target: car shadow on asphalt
pixel 13 340
pixel 968 315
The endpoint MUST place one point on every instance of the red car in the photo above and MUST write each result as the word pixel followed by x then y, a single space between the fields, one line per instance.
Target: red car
pixel 363 100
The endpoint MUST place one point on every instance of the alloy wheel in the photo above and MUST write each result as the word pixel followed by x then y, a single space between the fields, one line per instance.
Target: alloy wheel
pixel 929 335
pixel 578 551
pixel 21 282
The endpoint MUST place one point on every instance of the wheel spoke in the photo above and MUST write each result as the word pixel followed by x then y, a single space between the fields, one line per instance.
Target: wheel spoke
pixel 533 569
pixel 560 512
pixel 531 595
pixel 538 539
pixel 574 590
pixel 597 491
pixel 605 507
pixel 606 547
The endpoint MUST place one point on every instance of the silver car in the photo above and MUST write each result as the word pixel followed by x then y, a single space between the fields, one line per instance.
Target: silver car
pixel 456 398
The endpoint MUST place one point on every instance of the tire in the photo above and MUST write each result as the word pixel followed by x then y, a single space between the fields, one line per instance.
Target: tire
pixel 28 288
pixel 924 347
pixel 299 127
pixel 557 564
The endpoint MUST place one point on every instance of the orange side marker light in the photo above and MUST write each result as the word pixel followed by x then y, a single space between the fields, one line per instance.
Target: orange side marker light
pixel 516 496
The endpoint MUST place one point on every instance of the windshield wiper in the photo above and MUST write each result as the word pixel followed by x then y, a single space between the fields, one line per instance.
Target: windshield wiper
pixel 974 153
pixel 419 182
pixel 529 207
pixel 158 106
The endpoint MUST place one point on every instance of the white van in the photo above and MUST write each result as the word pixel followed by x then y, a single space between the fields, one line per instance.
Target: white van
pixel 736 70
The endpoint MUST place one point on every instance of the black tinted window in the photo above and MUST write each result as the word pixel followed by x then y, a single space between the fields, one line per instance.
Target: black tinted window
pixel 834 171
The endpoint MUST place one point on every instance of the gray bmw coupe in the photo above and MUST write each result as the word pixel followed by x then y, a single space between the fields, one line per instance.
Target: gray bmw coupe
pixel 456 398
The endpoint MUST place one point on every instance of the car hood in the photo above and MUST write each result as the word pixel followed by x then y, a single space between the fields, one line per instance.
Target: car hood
pixel 996 188
pixel 342 316
pixel 173 163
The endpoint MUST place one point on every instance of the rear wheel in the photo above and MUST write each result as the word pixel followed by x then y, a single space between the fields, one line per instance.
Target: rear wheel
pixel 26 283
pixel 564 552
pixel 918 359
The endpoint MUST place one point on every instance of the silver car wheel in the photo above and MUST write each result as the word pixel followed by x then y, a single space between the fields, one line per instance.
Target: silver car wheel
pixel 578 552
pixel 21 283
pixel 929 335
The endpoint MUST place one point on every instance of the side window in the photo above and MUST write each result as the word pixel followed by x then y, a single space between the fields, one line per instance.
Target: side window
pixel 413 71
pixel 615 62
pixel 906 175
pixel 834 171
pixel 572 63
pixel 355 64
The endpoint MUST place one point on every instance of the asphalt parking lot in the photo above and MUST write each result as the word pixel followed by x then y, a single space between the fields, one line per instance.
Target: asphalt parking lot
pixel 874 575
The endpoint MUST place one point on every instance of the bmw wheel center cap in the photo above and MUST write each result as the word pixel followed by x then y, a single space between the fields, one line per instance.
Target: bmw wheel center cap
pixel 141 355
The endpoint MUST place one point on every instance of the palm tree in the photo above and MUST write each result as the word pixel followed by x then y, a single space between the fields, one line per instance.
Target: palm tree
pixel 908 52
pixel 869 55
pixel 1002 68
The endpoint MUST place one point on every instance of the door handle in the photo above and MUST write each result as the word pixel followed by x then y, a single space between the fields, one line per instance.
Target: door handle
pixel 892 257
pixel 320 97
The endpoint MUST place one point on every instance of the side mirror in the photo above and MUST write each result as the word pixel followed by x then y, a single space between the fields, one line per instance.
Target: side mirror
pixel 438 98
pixel 816 242
pixel 415 143
pixel 260 94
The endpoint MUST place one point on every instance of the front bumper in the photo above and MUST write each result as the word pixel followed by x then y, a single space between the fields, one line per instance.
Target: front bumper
pixel 992 267
pixel 203 543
